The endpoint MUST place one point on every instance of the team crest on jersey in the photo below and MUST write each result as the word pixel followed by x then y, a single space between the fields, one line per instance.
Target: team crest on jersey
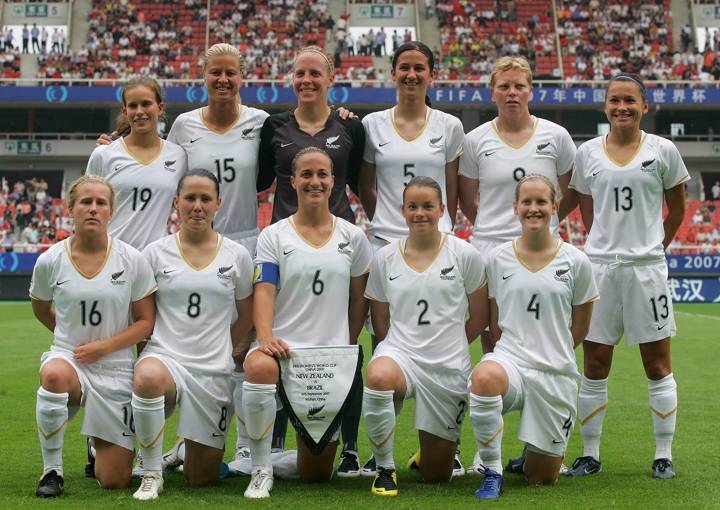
pixel 169 164
pixel 435 142
pixel 562 275
pixel 223 272
pixel 115 278
pixel 343 248
pixel 649 165
pixel 445 273
pixel 330 142
pixel 247 134
pixel 540 149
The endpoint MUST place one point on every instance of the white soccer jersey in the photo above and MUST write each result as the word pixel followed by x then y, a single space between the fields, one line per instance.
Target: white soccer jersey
pixel 144 189
pixel 93 307
pixel 311 305
pixel 397 160
pixel 535 307
pixel 232 155
pixel 627 200
pixel 498 167
pixel 428 308
pixel 195 305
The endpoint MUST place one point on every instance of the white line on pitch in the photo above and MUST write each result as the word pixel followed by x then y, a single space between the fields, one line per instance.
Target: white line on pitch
pixel 702 316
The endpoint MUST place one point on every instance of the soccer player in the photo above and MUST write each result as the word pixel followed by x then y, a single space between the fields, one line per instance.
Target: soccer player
pixel 314 123
pixel 497 155
pixel 310 272
pixel 202 278
pixel 541 292
pixel 143 168
pixel 421 288
pixel 622 179
pixel 83 290
pixel 404 141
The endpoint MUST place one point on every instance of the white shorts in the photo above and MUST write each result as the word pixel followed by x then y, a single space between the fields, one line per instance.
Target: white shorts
pixel 634 301
pixel 205 402
pixel 247 239
pixel 106 394
pixel 547 403
pixel 484 247
pixel 440 393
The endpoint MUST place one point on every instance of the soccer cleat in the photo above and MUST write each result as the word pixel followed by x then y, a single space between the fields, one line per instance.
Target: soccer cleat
pixel 260 485
pixel 138 471
pixel 90 466
pixel 414 461
pixel 385 483
pixel 458 469
pixel 477 468
pixel 151 486
pixel 242 463
pixel 517 465
pixel 564 469
pixel 663 469
pixel 369 468
pixel 491 487
pixel 584 466
pixel 51 485
pixel 173 458
pixel 349 464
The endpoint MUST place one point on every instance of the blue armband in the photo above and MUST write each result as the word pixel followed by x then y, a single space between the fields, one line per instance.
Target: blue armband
pixel 266 272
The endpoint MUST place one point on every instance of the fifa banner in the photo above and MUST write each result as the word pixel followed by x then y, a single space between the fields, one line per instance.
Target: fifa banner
pixel 316 386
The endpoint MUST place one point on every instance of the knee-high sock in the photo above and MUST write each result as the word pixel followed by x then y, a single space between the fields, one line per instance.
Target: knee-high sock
pixel 259 409
pixel 238 378
pixel 487 421
pixel 51 413
pixel 663 405
pixel 379 413
pixel 351 418
pixel 149 416
pixel 592 406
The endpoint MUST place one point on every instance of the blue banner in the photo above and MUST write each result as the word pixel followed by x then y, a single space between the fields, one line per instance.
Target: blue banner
pixel 694 290
pixel 17 262
pixel 197 95
pixel 693 264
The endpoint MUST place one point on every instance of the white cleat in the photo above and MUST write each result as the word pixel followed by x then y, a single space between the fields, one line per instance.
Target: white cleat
pixel 477 468
pixel 242 463
pixel 173 458
pixel 151 486
pixel 137 470
pixel 260 485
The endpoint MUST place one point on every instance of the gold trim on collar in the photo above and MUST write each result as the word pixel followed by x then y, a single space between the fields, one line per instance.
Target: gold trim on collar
pixel 68 251
pixel 435 257
pixel 218 131
pixel 391 114
pixel 191 266
pixel 307 241
pixel 149 161
pixel 547 263
pixel 536 123
pixel 643 137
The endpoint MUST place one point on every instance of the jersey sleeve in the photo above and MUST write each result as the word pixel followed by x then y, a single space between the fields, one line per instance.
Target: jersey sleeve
pixel 468 161
pixel 566 152
pixel 584 288
pixel 674 170
pixel 490 274
pixel 473 269
pixel 266 248
pixel 143 282
pixel 369 152
pixel 455 139
pixel 175 130
pixel 375 288
pixel 357 133
pixel 95 163
pixel 243 277
pixel 40 283
pixel 579 181
pixel 266 156
pixel 362 255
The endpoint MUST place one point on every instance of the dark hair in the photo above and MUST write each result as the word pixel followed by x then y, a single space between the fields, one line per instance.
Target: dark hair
pixel 199 172
pixel 309 150
pixel 422 48
pixel 421 181
pixel 633 78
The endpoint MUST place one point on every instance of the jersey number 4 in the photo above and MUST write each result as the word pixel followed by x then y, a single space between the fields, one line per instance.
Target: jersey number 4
pixel 534 306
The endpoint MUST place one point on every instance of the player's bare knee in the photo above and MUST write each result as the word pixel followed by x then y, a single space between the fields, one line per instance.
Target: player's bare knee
pixel 261 369
pixel 380 378
pixel 485 382
pixel 657 369
pixel 148 383
pixel 55 377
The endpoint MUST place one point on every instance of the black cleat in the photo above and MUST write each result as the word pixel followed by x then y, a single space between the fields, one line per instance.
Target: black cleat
pixel 663 469
pixel 51 485
pixel 517 466
pixel 584 466
pixel 349 465
pixel 90 466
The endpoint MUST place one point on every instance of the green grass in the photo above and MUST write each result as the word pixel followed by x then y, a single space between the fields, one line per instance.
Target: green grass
pixel 627 447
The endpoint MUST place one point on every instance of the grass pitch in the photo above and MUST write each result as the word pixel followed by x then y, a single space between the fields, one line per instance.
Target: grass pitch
pixel 627 448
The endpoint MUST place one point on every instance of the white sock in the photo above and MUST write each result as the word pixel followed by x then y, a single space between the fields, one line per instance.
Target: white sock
pixel 592 406
pixel 238 378
pixel 259 408
pixel 487 422
pixel 379 414
pixel 663 404
pixel 51 413
pixel 149 416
